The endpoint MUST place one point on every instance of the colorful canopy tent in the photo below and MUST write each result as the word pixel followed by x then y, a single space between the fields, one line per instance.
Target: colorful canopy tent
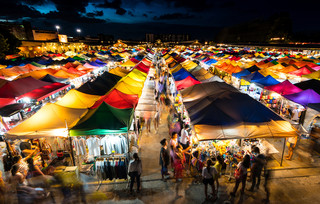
pixel 304 97
pixel 266 81
pixel 230 114
pixel 176 68
pixel 309 84
pixel 6 101
pixel 182 74
pixel 119 71
pixel 118 99
pixel 214 78
pixel 314 75
pixel 238 75
pixel 252 77
pixel 284 88
pixel 137 75
pixel 103 120
pixel 128 63
pixel 200 91
pixel 126 88
pixel 38 74
pixel 185 83
pixel 16 88
pixel 53 79
pixel 101 85
pixel 77 99
pixel 254 68
pixel 302 71
pixel 64 74
pixel 50 121
pixel 45 91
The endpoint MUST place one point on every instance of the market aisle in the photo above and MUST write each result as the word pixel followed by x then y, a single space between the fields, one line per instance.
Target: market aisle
pixel 150 142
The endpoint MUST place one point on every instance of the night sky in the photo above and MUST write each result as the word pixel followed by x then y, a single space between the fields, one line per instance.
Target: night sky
pixel 131 19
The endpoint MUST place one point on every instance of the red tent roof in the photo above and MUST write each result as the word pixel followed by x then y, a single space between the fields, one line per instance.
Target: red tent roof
pixel 45 91
pixel 187 82
pixel 142 67
pixel 6 101
pixel 14 89
pixel 118 99
pixel 284 88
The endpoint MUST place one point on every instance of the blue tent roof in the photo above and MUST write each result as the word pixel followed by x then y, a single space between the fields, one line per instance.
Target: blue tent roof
pixel 95 64
pixel 70 59
pixel 226 108
pixel 242 73
pixel 267 81
pixel 182 74
pixel 253 77
pixel 100 62
pixel 138 57
pixel 211 61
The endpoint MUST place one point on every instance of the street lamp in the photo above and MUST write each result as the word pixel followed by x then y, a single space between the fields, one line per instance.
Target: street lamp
pixel 57 27
pixel 78 31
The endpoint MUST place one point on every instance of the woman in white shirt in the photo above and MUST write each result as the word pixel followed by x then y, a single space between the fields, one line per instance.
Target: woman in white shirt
pixel 135 170
pixel 209 175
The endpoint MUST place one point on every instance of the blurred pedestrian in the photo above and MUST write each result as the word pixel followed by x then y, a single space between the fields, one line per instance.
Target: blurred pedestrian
pixel 210 176
pixel 135 170
pixel 257 164
pixel 241 175
pixel 164 159
pixel 291 143
pixel 179 160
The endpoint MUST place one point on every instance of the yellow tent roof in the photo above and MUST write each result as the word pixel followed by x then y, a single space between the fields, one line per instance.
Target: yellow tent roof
pixel 133 82
pixel 128 89
pixel 50 121
pixel 77 99
pixel 128 63
pixel 272 129
pixel 137 75
pixel 177 68
pixel 119 71
pixel 38 74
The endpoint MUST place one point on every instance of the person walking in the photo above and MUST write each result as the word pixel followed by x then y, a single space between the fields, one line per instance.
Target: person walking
pixel 291 143
pixel 258 162
pixel 210 176
pixel 164 159
pixel 135 170
pixel 241 175
pixel 178 163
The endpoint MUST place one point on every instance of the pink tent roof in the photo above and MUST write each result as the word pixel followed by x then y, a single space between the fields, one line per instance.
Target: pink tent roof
pixel 187 82
pixel 284 88
pixel 316 68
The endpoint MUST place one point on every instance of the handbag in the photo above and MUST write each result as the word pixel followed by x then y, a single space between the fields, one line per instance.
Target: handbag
pixel 237 174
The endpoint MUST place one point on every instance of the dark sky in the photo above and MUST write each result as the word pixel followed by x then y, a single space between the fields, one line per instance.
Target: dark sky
pixel 134 18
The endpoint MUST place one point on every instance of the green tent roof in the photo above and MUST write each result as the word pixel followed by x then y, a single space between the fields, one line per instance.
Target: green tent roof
pixel 103 120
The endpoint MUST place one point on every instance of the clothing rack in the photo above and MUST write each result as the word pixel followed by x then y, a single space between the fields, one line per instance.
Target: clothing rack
pixel 104 157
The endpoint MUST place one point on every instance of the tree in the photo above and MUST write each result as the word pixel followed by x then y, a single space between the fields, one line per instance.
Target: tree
pixel 4 46
pixel 12 41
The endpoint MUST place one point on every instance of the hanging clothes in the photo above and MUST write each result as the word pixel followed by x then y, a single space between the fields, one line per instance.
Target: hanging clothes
pixel 110 169
pixel 117 143
pixel 80 146
pixel 93 144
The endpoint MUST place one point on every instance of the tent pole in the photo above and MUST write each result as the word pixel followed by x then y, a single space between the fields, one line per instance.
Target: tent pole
pixel 71 147
pixel 284 146
pixel 71 150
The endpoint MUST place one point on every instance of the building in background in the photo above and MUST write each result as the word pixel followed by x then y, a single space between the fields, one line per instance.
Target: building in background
pixel 152 38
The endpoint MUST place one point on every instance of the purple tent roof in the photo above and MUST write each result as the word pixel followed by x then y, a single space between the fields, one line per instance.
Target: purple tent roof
pixel 304 97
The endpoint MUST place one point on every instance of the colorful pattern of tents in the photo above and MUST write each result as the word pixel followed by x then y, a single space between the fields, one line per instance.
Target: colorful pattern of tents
pixel 314 75
pixel 241 74
pixel 252 77
pixel 182 74
pixel 229 114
